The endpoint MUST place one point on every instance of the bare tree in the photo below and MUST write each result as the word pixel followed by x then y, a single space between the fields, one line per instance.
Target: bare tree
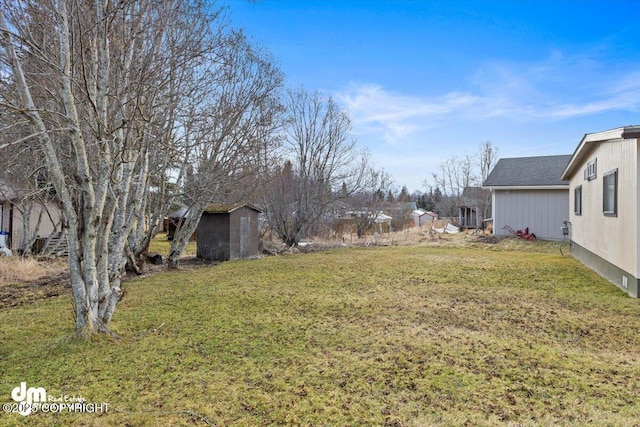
pixel 453 176
pixel 368 204
pixel 228 133
pixel 106 90
pixel 323 157
pixel 279 198
pixel 486 159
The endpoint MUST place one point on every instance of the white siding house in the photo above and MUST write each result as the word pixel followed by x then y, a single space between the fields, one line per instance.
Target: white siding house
pixel 604 216
pixel 528 192
pixel 43 218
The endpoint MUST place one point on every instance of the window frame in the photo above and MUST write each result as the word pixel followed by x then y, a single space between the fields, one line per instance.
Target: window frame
pixel 606 209
pixel 577 200
pixel 591 171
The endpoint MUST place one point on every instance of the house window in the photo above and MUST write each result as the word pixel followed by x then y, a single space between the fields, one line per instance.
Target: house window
pixel 591 172
pixel 610 193
pixel 577 200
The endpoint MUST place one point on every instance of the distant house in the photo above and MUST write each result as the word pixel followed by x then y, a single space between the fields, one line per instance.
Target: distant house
pixel 338 210
pixel 604 181
pixel 423 217
pixel 402 214
pixel 529 192
pixel 173 221
pixel 24 218
pixel 227 232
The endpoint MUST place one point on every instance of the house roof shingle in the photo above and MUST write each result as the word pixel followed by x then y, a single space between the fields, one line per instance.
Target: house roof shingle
pixel 542 171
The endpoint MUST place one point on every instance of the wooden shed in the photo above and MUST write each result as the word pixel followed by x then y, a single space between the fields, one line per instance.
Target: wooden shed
pixel 227 232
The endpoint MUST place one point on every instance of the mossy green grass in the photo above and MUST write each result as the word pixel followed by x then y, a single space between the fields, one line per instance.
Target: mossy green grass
pixel 402 336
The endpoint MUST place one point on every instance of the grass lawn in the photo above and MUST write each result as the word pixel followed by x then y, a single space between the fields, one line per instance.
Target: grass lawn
pixel 398 336
pixel 161 245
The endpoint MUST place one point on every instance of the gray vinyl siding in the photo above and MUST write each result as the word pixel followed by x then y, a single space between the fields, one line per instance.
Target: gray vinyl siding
pixel 542 211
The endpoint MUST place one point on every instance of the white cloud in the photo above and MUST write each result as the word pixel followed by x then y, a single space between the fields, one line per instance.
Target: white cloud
pixel 619 93
pixel 556 88
pixel 374 109
pixel 526 107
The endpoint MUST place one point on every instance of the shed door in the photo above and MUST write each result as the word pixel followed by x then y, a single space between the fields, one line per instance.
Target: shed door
pixel 245 223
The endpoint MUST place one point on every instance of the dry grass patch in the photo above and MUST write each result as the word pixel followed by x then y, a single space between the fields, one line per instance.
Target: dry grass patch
pixel 18 269
pixel 26 280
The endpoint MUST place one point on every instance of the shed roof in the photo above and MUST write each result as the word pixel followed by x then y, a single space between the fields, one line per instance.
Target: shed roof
pixel 228 208
pixel 529 172
pixel 178 213
pixel 422 212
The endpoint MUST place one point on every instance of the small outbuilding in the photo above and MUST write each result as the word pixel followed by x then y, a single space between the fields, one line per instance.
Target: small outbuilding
pixel 529 193
pixel 227 232
pixel 173 220
pixel 475 207
pixel 423 217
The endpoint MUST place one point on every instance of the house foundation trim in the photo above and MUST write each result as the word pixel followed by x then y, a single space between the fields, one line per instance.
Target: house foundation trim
pixel 622 279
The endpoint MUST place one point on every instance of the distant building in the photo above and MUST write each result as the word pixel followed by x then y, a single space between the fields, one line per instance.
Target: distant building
pixel 173 220
pixel 423 217
pixel 16 210
pixel 475 207
pixel 402 214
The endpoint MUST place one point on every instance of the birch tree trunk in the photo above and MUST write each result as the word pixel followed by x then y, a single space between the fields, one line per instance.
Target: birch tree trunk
pixel 105 90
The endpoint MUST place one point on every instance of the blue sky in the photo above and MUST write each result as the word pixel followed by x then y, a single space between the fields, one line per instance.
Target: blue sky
pixel 427 80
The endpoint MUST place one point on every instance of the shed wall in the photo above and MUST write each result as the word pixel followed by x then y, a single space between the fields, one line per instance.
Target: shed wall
pixel 5 208
pixel 213 237
pixel 542 211
pixel 244 237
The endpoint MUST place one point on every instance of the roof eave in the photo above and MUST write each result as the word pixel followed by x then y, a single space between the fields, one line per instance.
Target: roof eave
pixel 630 132
pixel 216 209
pixel 578 153
pixel 589 142
pixel 527 187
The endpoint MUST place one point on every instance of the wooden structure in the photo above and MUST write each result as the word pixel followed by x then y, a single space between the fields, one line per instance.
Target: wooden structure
pixel 474 208
pixel 173 220
pixel 468 217
pixel 227 232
